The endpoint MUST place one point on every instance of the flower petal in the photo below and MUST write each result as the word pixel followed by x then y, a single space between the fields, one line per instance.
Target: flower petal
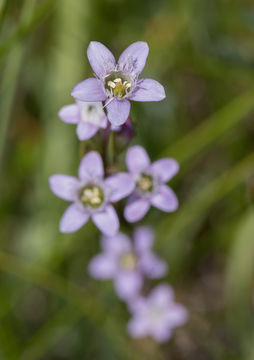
pixel 91 166
pixel 90 90
pixel 136 209
pixel 102 267
pixel 138 327
pixel 104 121
pixel 133 59
pixel 128 284
pixel 161 333
pixel 73 219
pixel 165 169
pixel 165 199
pixel 161 296
pixel 64 186
pixel 116 244
pixel 148 90
pixel 137 159
pixel 101 59
pixel 119 186
pixel 86 131
pixel 107 221
pixel 118 111
pixel 176 315
pixel 152 266
pixel 70 114
pixel 143 238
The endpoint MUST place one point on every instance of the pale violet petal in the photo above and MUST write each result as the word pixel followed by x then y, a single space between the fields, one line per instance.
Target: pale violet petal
pixel 70 114
pixel 133 58
pixel 107 221
pixel 165 169
pixel 136 209
pixel 102 266
pixel 128 284
pixel 86 131
pixel 137 160
pixel 119 186
pixel 89 90
pixel 148 90
pixel 64 186
pixel 73 219
pixel 143 238
pixel 91 166
pixel 118 111
pixel 101 59
pixel 165 199
pixel 116 244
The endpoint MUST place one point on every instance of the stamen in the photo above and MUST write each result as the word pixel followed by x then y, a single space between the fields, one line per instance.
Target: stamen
pixel 91 196
pixel 111 84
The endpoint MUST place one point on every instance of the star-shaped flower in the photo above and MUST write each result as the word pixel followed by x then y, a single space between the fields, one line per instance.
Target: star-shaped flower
pixel 150 182
pixel 117 83
pixel 127 262
pixel 89 117
pixel 91 195
pixel 156 315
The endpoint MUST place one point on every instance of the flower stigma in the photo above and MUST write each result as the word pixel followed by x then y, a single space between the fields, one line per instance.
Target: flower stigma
pixel 117 84
pixel 92 196
pixel 129 261
pixel 145 183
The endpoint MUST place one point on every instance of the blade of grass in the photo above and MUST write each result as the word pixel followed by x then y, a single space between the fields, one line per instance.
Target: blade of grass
pixel 212 129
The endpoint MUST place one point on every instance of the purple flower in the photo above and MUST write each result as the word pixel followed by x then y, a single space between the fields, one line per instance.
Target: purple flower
pixel 156 315
pixel 89 117
pixel 91 195
pixel 127 262
pixel 118 83
pixel 150 182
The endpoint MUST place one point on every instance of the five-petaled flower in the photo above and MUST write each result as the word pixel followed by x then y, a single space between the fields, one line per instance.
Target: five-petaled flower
pixel 117 83
pixel 150 182
pixel 127 262
pixel 156 315
pixel 89 117
pixel 91 195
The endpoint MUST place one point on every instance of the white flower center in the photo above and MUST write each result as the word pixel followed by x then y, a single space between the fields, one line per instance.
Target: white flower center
pixel 129 261
pixel 145 183
pixel 92 113
pixel 118 84
pixel 91 196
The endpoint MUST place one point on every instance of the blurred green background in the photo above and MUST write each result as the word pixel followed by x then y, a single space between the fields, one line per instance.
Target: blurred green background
pixel 203 53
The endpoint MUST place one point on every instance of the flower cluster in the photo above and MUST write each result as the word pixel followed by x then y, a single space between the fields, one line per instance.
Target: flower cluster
pixel 102 107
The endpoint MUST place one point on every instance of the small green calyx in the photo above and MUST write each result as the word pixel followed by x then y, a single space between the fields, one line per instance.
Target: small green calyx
pixel 129 261
pixel 118 84
pixel 92 196
pixel 145 183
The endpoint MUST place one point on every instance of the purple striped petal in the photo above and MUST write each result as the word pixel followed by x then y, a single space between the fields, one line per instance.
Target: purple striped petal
pixel 138 327
pixel 86 131
pixel 101 59
pixel 90 90
pixel 153 266
pixel 118 111
pixel 91 166
pixel 165 169
pixel 161 296
pixel 73 219
pixel 137 159
pixel 107 221
pixel 119 186
pixel 148 90
pixel 70 114
pixel 165 199
pixel 136 209
pixel 64 186
pixel 133 59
